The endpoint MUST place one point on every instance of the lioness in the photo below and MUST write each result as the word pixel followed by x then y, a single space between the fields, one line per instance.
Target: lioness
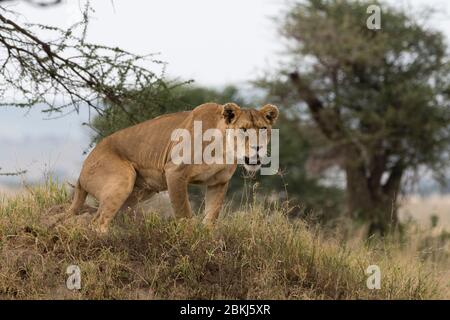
pixel 133 164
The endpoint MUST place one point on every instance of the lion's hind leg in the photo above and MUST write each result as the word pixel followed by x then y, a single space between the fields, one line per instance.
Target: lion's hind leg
pixel 79 197
pixel 111 183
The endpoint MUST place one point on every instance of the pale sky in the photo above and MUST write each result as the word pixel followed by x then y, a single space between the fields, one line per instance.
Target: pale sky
pixel 214 42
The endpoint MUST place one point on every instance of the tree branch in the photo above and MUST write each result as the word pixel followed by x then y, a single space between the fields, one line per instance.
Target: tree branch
pixel 86 73
pixel 10 174
pixel 392 185
pixel 39 3
pixel 328 123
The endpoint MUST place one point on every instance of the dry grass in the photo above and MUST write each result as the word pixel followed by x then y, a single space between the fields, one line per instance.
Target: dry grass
pixel 424 209
pixel 254 254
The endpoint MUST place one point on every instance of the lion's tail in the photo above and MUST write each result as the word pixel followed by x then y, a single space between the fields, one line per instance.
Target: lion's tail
pixel 79 197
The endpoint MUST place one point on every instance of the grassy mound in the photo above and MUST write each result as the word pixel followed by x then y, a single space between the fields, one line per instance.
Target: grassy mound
pixel 256 254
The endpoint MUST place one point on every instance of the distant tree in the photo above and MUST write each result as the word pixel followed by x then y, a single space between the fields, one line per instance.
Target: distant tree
pixel 379 99
pixel 161 98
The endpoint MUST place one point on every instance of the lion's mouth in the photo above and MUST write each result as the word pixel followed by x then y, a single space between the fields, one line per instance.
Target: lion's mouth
pixel 252 161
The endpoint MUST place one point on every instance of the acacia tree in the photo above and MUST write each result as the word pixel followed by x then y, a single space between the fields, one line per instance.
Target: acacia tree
pixel 64 72
pixel 380 98
pixel 65 66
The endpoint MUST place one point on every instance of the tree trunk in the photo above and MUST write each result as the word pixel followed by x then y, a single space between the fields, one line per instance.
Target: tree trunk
pixel 369 201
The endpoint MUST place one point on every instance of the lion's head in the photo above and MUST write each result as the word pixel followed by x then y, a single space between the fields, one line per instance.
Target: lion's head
pixel 251 132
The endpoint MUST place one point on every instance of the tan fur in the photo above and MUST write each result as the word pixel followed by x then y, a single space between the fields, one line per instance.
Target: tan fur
pixel 134 163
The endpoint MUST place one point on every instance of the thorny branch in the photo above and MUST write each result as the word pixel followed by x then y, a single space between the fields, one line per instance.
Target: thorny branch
pixel 38 3
pixel 9 174
pixel 65 71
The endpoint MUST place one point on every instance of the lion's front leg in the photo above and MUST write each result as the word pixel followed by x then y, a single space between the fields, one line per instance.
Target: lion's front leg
pixel 177 186
pixel 214 200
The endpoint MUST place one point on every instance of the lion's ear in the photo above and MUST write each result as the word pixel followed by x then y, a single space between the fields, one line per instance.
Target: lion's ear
pixel 230 112
pixel 270 113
